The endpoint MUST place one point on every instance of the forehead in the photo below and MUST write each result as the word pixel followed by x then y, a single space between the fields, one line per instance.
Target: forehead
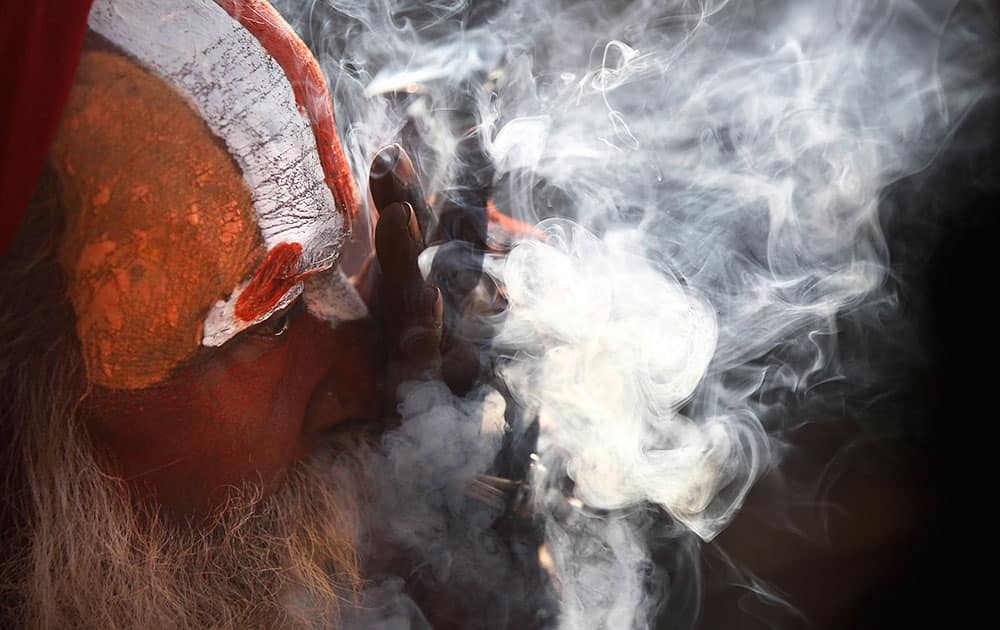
pixel 246 99
pixel 159 222
pixel 197 198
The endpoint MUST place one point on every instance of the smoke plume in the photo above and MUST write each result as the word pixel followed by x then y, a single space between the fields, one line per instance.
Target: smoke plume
pixel 707 178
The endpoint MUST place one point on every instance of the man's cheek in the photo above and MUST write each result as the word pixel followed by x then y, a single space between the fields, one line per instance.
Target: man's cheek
pixel 254 400
pixel 348 388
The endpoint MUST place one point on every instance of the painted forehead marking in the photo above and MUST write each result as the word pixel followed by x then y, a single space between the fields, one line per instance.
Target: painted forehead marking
pixel 158 221
pixel 247 101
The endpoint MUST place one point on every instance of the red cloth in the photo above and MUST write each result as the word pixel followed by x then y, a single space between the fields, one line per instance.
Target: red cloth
pixel 40 44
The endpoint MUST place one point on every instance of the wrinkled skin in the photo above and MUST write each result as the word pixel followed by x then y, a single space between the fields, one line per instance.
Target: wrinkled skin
pixel 245 412
pixel 250 409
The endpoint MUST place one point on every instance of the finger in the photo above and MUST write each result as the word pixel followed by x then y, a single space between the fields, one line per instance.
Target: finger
pixel 462 220
pixel 457 267
pixel 393 179
pixel 412 307
pixel 460 365
pixel 415 349
pixel 397 245
pixel 417 352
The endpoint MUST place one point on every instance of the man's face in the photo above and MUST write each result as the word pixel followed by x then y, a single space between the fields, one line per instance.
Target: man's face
pixel 161 232
pixel 245 412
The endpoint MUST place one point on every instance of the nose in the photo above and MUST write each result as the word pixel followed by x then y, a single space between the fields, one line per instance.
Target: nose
pixel 351 356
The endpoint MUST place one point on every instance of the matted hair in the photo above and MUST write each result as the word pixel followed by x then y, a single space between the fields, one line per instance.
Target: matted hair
pixel 41 383
pixel 41 373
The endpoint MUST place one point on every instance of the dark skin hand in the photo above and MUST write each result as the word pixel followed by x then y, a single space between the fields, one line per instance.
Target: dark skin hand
pixel 420 345
pixel 411 307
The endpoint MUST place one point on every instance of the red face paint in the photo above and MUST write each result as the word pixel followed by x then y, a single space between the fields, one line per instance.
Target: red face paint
pixel 273 279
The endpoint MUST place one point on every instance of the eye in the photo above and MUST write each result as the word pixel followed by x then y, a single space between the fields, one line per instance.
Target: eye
pixel 275 325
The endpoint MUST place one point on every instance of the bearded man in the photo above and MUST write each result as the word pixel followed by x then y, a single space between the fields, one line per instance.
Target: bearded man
pixel 199 329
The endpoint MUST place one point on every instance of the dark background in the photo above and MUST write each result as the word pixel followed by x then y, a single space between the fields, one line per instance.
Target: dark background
pixel 910 477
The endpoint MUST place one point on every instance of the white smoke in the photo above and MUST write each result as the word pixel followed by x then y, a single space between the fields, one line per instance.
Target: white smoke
pixel 605 351
pixel 708 174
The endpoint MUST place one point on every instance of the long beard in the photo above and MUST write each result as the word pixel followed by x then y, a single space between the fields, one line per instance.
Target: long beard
pixel 90 557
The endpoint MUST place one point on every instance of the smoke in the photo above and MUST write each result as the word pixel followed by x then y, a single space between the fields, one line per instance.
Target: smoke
pixel 605 350
pixel 418 505
pixel 708 177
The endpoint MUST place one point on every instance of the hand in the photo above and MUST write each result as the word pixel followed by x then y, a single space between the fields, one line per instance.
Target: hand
pixel 411 309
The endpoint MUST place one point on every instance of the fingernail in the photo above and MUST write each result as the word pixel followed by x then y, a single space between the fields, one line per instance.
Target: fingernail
pixel 384 161
pixel 403 168
pixel 412 225
pixel 393 178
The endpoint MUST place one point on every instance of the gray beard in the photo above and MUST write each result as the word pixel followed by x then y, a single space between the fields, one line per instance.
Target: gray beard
pixel 90 556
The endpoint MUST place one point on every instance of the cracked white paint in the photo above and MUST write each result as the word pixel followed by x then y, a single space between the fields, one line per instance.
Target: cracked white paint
pixel 246 100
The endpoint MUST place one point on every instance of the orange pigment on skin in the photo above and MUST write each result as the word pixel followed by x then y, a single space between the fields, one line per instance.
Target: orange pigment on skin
pixel 159 221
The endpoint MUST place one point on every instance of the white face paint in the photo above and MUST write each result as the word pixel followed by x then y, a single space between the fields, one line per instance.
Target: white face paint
pixel 246 100
pixel 330 296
